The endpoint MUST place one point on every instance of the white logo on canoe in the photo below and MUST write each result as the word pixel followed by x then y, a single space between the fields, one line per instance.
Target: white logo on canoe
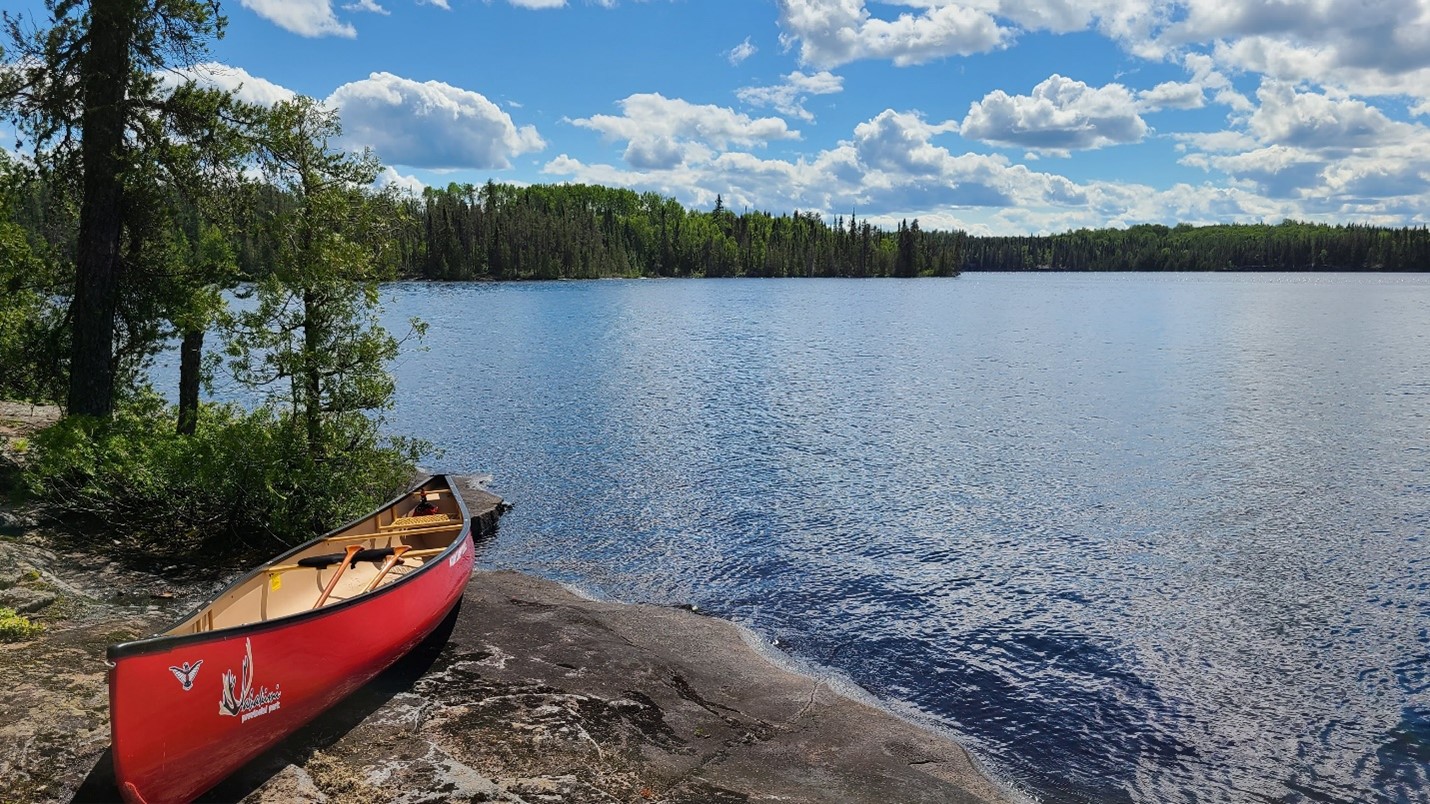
pixel 244 702
pixel 186 673
pixel 457 556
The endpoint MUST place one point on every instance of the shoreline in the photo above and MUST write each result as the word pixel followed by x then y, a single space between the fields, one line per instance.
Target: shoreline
pixel 528 693
pixel 838 683
pixel 531 691
pixel 535 693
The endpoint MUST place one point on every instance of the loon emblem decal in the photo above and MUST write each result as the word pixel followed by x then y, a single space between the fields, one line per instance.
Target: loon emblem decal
pixel 186 673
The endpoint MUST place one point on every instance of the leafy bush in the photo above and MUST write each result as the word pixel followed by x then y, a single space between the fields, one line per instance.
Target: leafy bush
pixel 31 331
pixel 242 483
pixel 15 628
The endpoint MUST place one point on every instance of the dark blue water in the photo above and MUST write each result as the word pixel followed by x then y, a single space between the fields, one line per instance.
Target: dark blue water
pixel 1132 538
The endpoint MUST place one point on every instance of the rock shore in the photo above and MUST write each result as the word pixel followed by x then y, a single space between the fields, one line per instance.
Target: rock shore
pixel 528 693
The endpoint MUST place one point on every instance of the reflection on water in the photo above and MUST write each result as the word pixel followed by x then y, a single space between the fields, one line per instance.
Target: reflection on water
pixel 1134 538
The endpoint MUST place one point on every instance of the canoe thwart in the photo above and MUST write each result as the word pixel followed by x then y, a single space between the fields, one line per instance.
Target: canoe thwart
pixel 375 554
pixel 357 537
pixel 371 554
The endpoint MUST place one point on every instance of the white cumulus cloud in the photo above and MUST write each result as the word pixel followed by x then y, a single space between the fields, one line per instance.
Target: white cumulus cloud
pixel 890 164
pixel 1391 36
pixel 367 5
pixel 246 87
pixel 1060 115
pixel 788 96
pixel 663 132
pixel 740 52
pixel 1277 171
pixel 835 32
pixel 1312 120
pixel 1364 47
pixel 900 142
pixel 1333 156
pixel 1171 95
pixel 429 124
pixel 407 185
pixel 656 152
pixel 309 18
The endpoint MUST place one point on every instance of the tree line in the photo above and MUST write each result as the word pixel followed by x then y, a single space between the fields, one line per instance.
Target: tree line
pixel 573 231
pixel 1287 246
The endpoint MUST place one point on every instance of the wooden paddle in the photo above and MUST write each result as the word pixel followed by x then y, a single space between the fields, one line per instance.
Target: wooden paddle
pixel 391 562
pixel 352 550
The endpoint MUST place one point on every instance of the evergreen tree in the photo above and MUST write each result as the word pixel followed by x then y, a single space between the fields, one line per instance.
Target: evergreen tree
pixel 84 91
pixel 312 339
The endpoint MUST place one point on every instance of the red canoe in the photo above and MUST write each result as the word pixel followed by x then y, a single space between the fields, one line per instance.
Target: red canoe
pixel 283 643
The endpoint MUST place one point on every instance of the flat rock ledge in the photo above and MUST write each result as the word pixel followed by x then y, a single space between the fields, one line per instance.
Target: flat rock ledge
pixel 528 693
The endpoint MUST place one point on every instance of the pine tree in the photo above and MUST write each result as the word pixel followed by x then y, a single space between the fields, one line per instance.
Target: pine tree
pixel 84 92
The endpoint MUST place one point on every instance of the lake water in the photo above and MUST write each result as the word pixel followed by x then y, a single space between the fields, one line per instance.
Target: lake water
pixel 1145 538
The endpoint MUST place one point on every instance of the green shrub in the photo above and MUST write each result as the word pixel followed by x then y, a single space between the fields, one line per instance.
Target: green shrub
pixel 242 483
pixel 15 628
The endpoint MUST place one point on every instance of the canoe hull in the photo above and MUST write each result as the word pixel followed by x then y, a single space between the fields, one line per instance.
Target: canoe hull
pixel 189 712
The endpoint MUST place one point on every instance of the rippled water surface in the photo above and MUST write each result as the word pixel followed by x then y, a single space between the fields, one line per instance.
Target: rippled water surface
pixel 1132 538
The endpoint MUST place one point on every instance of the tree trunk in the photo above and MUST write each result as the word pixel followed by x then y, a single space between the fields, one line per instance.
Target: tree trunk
pixel 105 69
pixel 191 353
pixel 314 326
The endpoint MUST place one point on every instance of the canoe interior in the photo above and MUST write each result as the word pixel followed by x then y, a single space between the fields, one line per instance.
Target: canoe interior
pixel 284 586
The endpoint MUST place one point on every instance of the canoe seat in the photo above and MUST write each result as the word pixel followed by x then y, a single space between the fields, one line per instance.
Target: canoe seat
pixel 441 524
pixel 416 522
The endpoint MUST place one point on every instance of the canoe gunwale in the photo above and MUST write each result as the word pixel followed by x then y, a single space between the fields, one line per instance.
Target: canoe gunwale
pixel 163 642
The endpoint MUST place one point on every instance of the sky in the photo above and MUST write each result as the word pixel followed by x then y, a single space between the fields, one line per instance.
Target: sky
pixel 992 116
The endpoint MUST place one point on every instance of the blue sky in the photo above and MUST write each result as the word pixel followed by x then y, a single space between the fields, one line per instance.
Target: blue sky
pixel 995 116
